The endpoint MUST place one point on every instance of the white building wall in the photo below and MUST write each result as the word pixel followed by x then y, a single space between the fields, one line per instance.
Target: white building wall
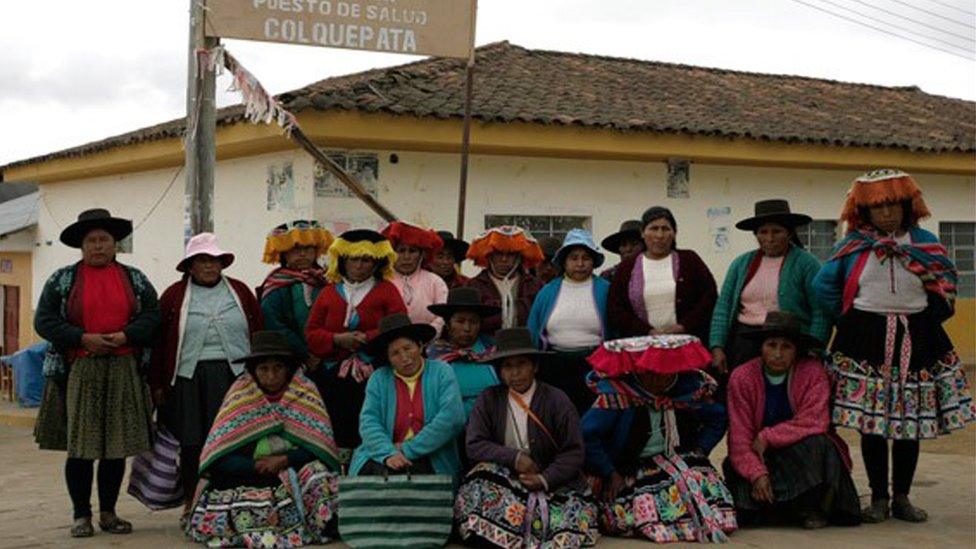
pixel 422 188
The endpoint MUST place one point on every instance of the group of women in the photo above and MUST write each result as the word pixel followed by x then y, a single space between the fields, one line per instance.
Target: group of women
pixel 587 404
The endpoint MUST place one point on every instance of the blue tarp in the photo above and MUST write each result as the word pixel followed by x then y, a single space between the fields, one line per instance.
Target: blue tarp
pixel 29 374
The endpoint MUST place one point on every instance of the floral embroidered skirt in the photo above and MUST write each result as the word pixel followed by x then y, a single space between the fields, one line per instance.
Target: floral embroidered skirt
pixel 671 499
pixel 269 517
pixel 897 376
pixel 492 507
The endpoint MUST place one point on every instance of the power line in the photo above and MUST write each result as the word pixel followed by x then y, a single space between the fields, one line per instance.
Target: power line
pixel 899 27
pixel 879 29
pixel 896 14
pixel 160 199
pixel 932 13
pixel 957 8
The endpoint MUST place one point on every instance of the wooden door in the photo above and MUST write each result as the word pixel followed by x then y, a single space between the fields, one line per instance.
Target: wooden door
pixel 11 319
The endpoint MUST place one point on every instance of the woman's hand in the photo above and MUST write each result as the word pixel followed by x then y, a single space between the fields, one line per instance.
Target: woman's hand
pixel 115 340
pixel 613 486
pixel 525 466
pixel 397 461
pixel 96 344
pixel 350 340
pixel 312 363
pixel 719 360
pixel 271 465
pixel 759 446
pixel 532 482
pixel 762 490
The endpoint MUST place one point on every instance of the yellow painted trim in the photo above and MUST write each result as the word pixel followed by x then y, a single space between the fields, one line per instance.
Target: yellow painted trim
pixel 356 130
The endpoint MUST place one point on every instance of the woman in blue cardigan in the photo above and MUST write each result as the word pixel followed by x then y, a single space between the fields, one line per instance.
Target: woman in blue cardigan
pixel 569 317
pixel 412 414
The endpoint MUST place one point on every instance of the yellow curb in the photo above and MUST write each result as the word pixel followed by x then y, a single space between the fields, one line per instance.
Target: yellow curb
pixel 17 420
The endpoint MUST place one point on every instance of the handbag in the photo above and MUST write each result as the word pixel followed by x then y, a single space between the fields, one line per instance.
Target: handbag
pixel 155 476
pixel 396 511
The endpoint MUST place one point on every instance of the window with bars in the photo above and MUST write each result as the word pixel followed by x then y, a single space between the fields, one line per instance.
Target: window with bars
pixel 541 225
pixel 959 237
pixel 819 237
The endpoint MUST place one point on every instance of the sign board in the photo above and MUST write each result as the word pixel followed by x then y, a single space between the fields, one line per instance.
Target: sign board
pixel 420 27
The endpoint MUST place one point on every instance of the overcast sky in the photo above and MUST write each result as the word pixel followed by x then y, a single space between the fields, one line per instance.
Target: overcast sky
pixel 78 71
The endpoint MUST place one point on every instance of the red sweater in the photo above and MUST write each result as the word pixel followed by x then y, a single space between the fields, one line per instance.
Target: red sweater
pixel 809 393
pixel 328 315
pixel 163 362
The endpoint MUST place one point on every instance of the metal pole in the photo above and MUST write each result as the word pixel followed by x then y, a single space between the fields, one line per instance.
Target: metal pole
pixel 200 126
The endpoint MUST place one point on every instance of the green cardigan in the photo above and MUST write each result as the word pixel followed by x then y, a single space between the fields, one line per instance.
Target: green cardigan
pixel 796 295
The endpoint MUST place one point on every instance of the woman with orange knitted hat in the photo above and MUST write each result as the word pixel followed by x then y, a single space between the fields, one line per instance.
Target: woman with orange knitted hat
pixel 418 287
pixel 892 285
pixel 506 255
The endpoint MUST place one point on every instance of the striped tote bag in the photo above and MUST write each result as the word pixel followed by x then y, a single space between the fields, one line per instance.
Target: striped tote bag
pixel 395 511
pixel 154 478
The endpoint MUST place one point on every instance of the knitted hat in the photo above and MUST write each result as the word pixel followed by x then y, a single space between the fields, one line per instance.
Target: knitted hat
pixel 401 232
pixel 361 243
pixel 506 238
pixel 881 187
pixel 301 232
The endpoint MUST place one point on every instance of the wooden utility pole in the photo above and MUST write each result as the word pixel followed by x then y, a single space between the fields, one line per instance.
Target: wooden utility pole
pixel 466 131
pixel 200 141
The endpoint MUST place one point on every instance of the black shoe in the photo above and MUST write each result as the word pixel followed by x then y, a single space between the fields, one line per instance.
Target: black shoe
pixel 878 511
pixel 902 509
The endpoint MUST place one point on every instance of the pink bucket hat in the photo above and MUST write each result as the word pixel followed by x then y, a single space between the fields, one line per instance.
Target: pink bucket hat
pixel 204 244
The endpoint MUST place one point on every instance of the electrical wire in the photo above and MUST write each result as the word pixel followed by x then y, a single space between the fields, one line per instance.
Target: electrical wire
pixel 160 199
pixel 879 29
pixel 920 23
pixel 957 8
pixel 899 27
pixel 932 13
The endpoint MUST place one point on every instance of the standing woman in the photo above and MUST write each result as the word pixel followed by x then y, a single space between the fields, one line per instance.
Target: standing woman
pixel 207 322
pixel 418 287
pixel 506 255
pixel 99 315
pixel 896 374
pixel 569 316
pixel 288 292
pixel 628 242
pixel 663 290
pixel 777 276
pixel 412 414
pixel 463 346
pixel 345 315
pixel 446 261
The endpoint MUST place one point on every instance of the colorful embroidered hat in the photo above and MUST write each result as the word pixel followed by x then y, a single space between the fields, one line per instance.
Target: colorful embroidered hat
pixel 659 354
pixel 880 187
pixel 506 238
pixel 401 232
pixel 578 238
pixel 97 218
pixel 301 232
pixel 361 243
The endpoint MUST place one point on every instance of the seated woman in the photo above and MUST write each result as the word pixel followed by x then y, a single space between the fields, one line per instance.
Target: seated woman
pixel 646 439
pixel 412 414
pixel 462 345
pixel 270 446
pixel 525 438
pixel 783 454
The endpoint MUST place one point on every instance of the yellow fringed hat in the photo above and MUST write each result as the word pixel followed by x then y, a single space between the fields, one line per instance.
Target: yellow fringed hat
pixel 361 243
pixel 301 232
pixel 879 187
pixel 506 239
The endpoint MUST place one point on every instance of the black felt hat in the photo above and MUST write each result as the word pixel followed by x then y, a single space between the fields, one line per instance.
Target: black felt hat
pixel 269 344
pixel 96 218
pixel 773 211
pixel 358 235
pixel 458 247
pixel 396 326
pixel 784 324
pixel 463 299
pixel 513 342
pixel 629 230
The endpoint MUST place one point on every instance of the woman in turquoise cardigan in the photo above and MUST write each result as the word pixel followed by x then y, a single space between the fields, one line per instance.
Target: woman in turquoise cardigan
pixel 777 276
pixel 412 414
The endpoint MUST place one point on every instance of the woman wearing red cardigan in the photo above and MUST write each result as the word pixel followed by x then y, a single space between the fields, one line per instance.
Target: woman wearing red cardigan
pixel 343 318
pixel 663 290
pixel 783 454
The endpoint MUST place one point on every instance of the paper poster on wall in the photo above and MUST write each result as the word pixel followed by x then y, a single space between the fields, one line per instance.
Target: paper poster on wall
pixel 718 227
pixel 363 167
pixel 678 179
pixel 281 187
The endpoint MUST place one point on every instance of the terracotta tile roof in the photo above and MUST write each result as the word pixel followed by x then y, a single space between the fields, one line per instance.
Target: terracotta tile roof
pixel 557 88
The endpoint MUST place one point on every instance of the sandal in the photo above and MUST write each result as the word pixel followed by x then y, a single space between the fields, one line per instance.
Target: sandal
pixel 82 528
pixel 902 509
pixel 115 525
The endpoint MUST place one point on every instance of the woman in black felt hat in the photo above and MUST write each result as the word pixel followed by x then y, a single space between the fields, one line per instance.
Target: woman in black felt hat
pixel 99 316
pixel 778 275
pixel 446 261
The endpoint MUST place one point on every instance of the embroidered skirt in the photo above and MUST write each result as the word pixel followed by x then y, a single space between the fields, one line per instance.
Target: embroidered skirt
pixel 671 499
pixel 299 511
pixel 897 376
pixel 807 476
pixel 493 508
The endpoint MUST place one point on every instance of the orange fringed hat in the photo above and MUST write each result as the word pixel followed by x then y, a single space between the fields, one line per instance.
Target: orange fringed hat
pixel 506 239
pixel 401 232
pixel 881 187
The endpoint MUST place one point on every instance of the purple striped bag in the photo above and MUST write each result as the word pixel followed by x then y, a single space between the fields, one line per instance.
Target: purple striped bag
pixel 155 475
